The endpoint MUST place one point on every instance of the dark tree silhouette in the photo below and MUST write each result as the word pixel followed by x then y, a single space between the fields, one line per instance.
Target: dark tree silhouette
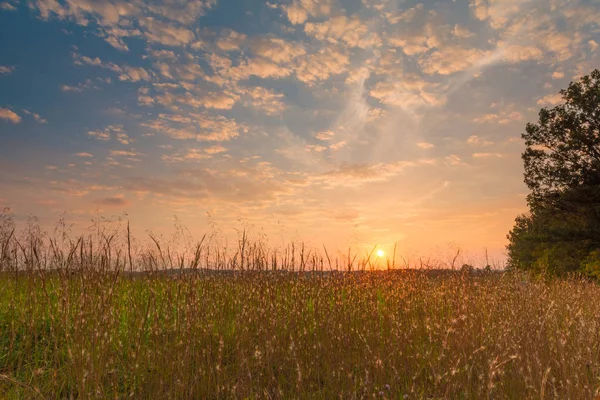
pixel 562 171
pixel 563 147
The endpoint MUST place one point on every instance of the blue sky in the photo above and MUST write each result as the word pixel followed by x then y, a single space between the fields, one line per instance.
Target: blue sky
pixel 348 123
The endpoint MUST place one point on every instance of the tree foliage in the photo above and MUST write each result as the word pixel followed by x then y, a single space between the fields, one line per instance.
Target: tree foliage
pixel 561 233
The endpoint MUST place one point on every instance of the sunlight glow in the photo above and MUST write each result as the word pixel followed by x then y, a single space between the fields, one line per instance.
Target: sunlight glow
pixel 380 253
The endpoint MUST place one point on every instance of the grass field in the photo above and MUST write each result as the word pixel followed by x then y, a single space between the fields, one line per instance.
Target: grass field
pixel 75 324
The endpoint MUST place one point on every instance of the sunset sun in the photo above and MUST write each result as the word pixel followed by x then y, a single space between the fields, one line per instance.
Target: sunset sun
pixel 380 253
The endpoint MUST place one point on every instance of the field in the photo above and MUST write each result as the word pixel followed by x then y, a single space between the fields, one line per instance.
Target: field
pixel 79 322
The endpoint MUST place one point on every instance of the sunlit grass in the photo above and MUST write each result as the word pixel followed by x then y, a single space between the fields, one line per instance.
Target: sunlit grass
pixel 74 323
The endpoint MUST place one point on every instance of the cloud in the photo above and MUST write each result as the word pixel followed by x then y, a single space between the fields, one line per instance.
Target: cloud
pixel 338 145
pixel 165 54
pixel 134 74
pixel 276 49
pixel 164 33
pixel 221 100
pixel 462 32
pixel 263 99
pixel 551 99
pixel 7 6
pixel 124 153
pixel 349 30
pixel 218 101
pixel 182 12
pixel 450 59
pixel 454 160
pixel 85 85
pixel 321 65
pixel 231 40
pixel 325 135
pixel 81 86
pixel 6 69
pixel 358 76
pixel 113 202
pixel 475 140
pixel 501 118
pixel 487 155
pixel 217 128
pixel 220 65
pixel 107 133
pixel 316 148
pixel 174 131
pixel 357 174
pixel 479 9
pixel 165 22
pixel 215 150
pixel 259 67
pixel 356 171
pixel 194 154
pixel 410 93
pixel 95 62
pixel 84 154
pixel 198 126
pixel 515 53
pixel 418 38
pixel 411 45
pixel 405 16
pixel 236 185
pixel 299 10
pixel 9 116
pixel 36 117
pixel 123 138
pixel 83 11
pixel 560 44
pixel 295 13
pixel 117 43
pixel 425 145
pixel 497 12
pixel 179 71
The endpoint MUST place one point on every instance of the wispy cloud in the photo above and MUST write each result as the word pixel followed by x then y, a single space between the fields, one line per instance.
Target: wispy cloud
pixel 6 70
pixel 36 117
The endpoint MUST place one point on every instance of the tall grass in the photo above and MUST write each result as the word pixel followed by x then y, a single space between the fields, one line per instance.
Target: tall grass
pixel 78 321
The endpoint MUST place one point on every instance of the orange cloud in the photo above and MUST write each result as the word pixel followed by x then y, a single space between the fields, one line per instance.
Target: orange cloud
pixel 349 30
pixel 9 115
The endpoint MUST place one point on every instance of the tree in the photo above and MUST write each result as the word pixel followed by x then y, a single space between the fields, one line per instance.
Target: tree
pixel 549 242
pixel 562 171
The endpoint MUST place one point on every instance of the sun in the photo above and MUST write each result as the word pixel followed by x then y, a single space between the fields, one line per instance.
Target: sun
pixel 380 253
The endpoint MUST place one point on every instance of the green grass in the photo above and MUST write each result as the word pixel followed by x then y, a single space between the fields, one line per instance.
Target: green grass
pixel 264 335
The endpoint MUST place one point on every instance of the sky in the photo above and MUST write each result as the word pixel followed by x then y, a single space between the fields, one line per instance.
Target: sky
pixel 338 123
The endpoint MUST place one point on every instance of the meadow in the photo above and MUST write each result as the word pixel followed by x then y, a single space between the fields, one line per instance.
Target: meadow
pixel 103 319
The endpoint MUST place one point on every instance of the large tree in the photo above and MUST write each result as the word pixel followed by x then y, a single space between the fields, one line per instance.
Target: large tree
pixel 562 171
pixel 563 147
